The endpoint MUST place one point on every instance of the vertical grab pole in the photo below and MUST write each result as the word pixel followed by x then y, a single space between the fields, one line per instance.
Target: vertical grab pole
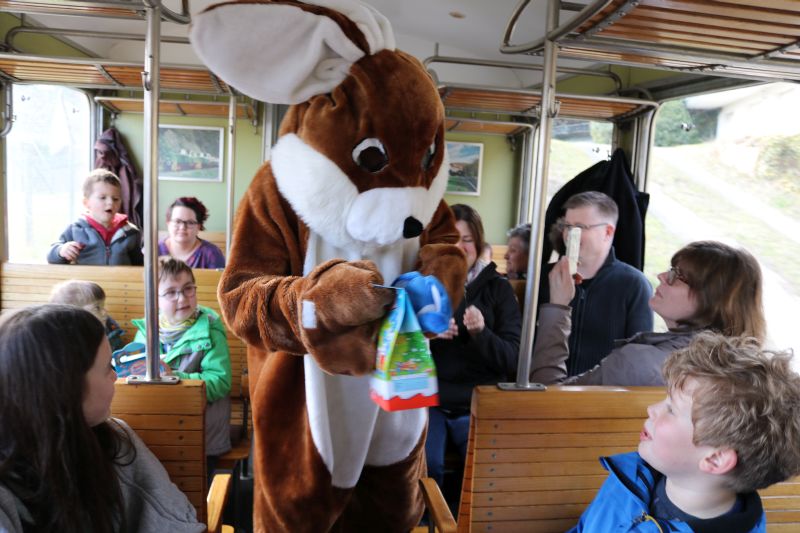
pixel 539 194
pixel 229 170
pixel 152 91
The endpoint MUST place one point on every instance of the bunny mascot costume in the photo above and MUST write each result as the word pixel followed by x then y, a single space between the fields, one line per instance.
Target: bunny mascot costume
pixel 352 197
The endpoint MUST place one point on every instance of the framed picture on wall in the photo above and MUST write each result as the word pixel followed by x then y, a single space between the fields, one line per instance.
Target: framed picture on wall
pixel 466 162
pixel 190 153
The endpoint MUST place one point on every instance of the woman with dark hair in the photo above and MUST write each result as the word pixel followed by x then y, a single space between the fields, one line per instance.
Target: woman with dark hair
pixel 709 286
pixel 64 464
pixel 480 347
pixel 185 218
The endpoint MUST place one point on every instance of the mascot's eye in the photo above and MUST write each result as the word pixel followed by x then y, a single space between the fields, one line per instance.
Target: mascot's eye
pixel 427 159
pixel 370 155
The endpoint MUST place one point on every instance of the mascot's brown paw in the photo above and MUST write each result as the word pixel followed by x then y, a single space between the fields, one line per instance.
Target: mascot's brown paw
pixel 341 312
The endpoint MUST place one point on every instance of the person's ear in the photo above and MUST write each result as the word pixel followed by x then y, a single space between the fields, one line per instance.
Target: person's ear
pixel 719 461
pixel 610 229
pixel 85 202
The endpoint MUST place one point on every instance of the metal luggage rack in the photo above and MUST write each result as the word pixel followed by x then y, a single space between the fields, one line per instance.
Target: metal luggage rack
pixel 733 38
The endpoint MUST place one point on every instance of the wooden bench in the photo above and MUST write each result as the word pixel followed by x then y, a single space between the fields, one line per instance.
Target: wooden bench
pixel 22 285
pixel 532 457
pixel 170 419
pixel 498 256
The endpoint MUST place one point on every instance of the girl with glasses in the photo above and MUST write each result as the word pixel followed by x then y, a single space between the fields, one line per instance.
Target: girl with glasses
pixel 65 465
pixel 194 346
pixel 185 219
pixel 709 286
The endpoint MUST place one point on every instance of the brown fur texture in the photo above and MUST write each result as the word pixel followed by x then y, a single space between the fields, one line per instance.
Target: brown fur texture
pixel 259 292
pixel 389 96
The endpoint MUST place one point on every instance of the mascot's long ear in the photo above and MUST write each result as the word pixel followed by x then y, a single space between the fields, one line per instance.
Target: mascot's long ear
pixel 286 52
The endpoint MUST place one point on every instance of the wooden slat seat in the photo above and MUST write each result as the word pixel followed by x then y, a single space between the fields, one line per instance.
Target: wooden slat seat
pixel 532 457
pixel 170 419
pixel 498 256
pixel 23 285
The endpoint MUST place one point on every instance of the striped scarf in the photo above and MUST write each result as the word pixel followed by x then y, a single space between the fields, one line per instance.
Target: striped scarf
pixel 169 333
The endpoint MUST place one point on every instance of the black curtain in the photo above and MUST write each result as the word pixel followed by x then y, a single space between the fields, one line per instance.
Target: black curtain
pixel 612 177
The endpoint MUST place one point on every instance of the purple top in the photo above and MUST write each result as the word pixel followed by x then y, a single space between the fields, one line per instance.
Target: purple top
pixel 207 255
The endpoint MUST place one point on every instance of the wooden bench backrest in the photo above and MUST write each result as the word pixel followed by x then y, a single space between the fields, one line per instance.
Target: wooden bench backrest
pixel 170 419
pixel 532 457
pixel 519 291
pixel 498 256
pixel 23 285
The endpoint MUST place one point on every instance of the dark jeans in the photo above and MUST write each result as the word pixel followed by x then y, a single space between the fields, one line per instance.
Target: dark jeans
pixel 442 425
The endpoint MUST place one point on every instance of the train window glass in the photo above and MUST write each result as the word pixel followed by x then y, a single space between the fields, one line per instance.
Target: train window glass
pixel 576 145
pixel 726 166
pixel 48 156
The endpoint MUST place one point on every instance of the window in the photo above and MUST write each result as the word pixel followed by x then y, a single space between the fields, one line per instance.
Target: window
pixel 48 156
pixel 576 145
pixel 726 166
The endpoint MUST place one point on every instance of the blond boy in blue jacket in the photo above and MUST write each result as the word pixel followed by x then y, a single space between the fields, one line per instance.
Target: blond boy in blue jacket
pixel 728 427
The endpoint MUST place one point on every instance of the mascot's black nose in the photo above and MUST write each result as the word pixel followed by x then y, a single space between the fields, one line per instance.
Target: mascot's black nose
pixel 412 228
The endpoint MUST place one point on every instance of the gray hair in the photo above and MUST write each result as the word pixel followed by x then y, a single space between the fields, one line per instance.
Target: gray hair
pixel 523 233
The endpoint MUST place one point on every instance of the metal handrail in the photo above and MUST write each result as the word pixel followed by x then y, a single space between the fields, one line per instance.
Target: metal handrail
pixel 521 66
pixel 714 62
pixel 13 32
pixel 554 35
pixel 166 14
pixel 99 63
pixel 8 109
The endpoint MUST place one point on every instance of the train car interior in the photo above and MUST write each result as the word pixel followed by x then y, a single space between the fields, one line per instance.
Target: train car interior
pixel 698 99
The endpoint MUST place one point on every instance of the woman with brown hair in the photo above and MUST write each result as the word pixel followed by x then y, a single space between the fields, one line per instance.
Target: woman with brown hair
pixel 185 219
pixel 65 464
pixel 480 347
pixel 709 286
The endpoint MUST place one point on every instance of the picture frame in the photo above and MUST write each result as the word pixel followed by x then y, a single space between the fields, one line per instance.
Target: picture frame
pixel 190 153
pixel 466 166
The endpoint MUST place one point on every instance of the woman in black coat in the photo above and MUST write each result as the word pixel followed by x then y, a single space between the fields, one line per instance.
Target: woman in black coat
pixel 480 347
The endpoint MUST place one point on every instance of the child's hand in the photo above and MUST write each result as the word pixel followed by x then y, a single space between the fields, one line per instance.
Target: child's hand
pixel 450 332
pixel 473 320
pixel 70 250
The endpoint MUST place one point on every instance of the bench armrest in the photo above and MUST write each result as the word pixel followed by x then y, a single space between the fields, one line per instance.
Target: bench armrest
pixel 438 513
pixel 215 501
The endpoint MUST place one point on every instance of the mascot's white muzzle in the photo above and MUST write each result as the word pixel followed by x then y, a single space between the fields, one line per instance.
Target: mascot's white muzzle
pixel 331 205
pixel 386 215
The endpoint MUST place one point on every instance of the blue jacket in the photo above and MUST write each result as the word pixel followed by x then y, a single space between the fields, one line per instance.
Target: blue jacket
pixel 125 247
pixel 623 504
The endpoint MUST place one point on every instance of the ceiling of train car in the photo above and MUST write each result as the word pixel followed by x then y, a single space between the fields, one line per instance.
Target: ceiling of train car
pixel 465 28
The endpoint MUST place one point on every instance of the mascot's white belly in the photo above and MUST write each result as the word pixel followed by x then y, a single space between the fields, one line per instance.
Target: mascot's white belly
pixel 348 428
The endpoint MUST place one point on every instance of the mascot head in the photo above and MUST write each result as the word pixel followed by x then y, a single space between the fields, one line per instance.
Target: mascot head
pixel 361 154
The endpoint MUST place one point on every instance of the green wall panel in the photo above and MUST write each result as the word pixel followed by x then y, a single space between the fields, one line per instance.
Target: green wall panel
pixel 212 194
pixel 499 181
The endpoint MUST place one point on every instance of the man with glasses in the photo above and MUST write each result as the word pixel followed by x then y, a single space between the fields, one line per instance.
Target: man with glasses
pixel 611 301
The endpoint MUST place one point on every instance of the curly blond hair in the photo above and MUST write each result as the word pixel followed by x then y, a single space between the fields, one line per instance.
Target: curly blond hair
pixel 746 399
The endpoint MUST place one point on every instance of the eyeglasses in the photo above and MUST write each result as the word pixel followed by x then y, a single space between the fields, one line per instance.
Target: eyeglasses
pixel 562 225
pixel 675 273
pixel 185 223
pixel 173 294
